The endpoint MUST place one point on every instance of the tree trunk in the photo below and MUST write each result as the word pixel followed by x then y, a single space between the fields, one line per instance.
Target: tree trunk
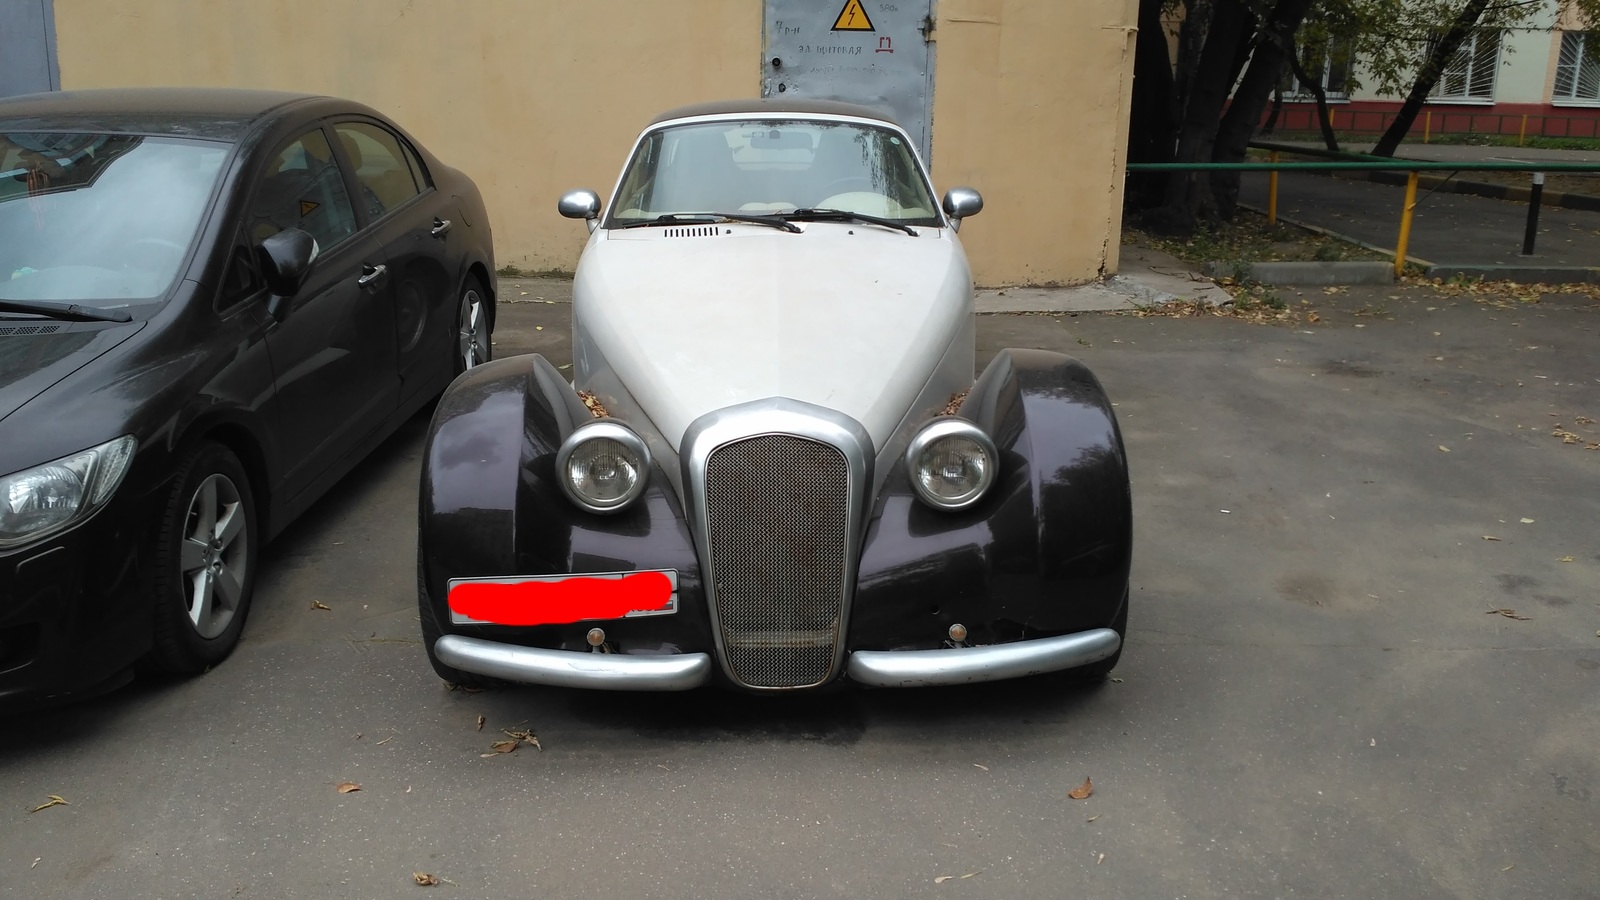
pixel 1271 124
pixel 1151 125
pixel 1315 86
pixel 1238 126
pixel 1187 198
pixel 1428 76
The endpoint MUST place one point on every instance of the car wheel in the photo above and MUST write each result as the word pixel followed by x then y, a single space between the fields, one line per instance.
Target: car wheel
pixel 431 633
pixel 205 562
pixel 473 346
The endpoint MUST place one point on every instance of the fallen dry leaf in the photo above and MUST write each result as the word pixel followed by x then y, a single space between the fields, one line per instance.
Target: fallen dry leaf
pixel 54 801
pixel 970 874
pixel 981 766
pixel 424 879
pixel 596 408
pixel 1115 680
pixel 1564 559
pixel 35 862
pixel 1093 817
pixel 503 746
pixel 1490 537
pixel 954 405
pixel 1443 449
pixel 1508 613
pixel 942 879
pixel 1313 317
pixel 481 720
pixel 1100 860
pixel 525 736
pixel 347 787
pixel 385 741
pixel 1082 790
pixel 1509 868
pixel 318 604
pixel 1527 521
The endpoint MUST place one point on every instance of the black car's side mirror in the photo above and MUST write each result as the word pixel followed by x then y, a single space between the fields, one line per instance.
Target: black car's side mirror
pixel 286 259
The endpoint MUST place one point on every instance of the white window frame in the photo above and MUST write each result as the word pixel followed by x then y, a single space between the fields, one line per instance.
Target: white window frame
pixel 1472 71
pixel 1572 58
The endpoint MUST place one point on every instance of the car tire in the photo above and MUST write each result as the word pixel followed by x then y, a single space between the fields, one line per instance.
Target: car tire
pixel 431 633
pixel 474 344
pixel 207 548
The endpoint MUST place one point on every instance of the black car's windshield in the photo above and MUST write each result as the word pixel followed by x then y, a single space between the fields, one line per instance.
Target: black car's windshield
pixel 100 220
pixel 773 167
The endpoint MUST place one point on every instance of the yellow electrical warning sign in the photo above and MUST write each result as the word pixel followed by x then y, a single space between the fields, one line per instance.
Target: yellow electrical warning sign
pixel 306 207
pixel 853 18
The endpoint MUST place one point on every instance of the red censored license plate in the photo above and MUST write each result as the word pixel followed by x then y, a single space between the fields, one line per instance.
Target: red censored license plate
pixel 562 599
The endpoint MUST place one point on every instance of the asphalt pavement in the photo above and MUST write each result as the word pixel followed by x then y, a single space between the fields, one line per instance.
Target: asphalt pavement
pixel 1363 661
pixel 1448 229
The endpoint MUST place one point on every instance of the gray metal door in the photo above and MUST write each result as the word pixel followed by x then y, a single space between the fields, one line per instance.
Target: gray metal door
pixel 27 47
pixel 872 52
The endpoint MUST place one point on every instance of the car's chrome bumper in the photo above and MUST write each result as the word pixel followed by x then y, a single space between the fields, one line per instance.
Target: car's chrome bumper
pixel 993 662
pixel 565 668
pixel 682 672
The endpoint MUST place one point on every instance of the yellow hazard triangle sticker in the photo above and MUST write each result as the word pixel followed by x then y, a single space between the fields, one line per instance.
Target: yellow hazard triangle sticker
pixel 853 18
pixel 306 206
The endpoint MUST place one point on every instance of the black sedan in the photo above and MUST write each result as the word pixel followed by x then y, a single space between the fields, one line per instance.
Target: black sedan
pixel 213 304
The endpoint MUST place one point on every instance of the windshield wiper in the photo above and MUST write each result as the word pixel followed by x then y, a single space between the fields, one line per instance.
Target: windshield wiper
pixel 66 312
pixel 677 218
pixel 844 215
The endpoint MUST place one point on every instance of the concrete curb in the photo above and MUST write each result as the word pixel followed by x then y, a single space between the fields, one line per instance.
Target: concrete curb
pixel 1479 188
pixel 1519 274
pixel 1307 272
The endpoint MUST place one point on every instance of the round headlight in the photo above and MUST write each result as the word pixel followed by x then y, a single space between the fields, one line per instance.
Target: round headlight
pixel 952 463
pixel 603 466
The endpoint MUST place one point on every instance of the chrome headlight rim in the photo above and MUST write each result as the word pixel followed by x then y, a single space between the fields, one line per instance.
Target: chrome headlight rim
pixel 930 434
pixel 609 429
pixel 104 466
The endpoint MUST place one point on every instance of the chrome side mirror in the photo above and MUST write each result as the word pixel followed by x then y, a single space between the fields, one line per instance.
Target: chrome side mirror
pixel 960 202
pixel 581 204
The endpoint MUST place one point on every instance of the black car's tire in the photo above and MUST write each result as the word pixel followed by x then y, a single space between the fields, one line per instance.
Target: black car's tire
pixel 205 563
pixel 431 633
pixel 474 345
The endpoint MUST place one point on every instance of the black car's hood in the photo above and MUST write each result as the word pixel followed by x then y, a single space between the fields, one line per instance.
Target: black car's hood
pixel 30 363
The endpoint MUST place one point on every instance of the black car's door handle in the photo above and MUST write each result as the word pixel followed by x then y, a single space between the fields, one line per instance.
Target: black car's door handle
pixel 440 226
pixel 369 274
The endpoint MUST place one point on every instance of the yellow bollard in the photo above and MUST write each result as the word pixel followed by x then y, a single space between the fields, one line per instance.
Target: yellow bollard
pixel 1272 192
pixel 1405 225
pixel 1523 133
pixel 1427 125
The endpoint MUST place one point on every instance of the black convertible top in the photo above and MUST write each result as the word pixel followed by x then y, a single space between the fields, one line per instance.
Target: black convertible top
pixel 218 113
pixel 767 107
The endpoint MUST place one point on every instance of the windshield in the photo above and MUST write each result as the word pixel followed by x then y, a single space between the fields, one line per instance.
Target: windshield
pixel 96 219
pixel 773 167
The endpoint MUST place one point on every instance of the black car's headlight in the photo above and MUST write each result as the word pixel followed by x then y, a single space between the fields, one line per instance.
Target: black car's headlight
pixel 603 466
pixel 951 463
pixel 45 499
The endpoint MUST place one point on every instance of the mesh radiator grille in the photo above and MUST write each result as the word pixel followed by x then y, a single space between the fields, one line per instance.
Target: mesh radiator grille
pixel 778 523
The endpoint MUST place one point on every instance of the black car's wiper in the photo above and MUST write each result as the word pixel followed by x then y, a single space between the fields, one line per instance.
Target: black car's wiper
pixel 679 218
pixel 811 215
pixel 67 312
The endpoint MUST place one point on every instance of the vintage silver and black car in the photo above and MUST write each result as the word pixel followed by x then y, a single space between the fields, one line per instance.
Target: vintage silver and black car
pixel 213 304
pixel 773 468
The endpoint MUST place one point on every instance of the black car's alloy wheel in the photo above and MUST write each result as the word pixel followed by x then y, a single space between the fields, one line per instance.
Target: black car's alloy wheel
pixel 205 562
pixel 473 343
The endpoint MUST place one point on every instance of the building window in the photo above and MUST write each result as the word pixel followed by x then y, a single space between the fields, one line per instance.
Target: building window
pixel 1329 65
pixel 1470 73
pixel 1577 69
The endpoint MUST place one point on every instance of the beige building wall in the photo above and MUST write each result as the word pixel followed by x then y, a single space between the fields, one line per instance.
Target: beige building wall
pixel 534 97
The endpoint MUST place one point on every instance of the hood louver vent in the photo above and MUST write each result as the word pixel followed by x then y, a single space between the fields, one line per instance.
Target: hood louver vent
pixel 694 231
pixel 29 329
